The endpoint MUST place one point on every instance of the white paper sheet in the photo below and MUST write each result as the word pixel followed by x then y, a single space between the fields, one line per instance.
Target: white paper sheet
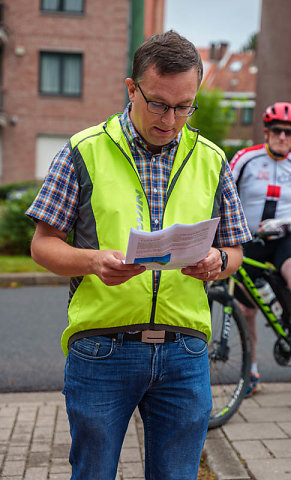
pixel 175 247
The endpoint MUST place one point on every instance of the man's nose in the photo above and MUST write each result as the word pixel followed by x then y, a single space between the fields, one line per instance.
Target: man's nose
pixel 169 116
pixel 282 135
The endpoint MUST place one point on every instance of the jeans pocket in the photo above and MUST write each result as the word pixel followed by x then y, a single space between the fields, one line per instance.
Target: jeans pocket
pixel 93 348
pixel 194 346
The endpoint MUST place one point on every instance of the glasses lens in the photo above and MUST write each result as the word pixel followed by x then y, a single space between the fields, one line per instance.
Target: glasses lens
pixel 278 131
pixel 184 111
pixel 156 107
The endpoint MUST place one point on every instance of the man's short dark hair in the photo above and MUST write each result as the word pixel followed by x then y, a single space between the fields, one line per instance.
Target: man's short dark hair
pixel 169 53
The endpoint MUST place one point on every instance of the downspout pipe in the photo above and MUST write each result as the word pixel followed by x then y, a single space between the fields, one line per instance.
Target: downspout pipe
pixel 135 31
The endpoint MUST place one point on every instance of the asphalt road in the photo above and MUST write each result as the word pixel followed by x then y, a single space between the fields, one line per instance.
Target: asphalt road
pixel 31 323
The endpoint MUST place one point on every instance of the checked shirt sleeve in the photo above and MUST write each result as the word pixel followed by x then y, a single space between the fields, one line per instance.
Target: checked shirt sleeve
pixel 232 228
pixel 57 200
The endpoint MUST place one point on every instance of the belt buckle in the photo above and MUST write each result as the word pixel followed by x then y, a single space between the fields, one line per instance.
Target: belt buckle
pixel 153 336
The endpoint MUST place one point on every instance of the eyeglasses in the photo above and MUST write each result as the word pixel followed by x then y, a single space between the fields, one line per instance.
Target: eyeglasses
pixel 279 130
pixel 160 108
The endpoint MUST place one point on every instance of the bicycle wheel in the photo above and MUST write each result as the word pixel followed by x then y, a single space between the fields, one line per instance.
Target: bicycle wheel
pixel 229 364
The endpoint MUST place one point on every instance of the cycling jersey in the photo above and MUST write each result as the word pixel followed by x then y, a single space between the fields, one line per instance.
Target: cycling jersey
pixel 264 184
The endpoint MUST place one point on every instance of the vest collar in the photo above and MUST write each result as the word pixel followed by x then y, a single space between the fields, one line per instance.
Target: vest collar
pixel 114 130
pixel 189 136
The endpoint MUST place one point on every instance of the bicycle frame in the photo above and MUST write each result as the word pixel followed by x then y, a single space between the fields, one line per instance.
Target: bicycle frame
pixel 230 347
pixel 246 280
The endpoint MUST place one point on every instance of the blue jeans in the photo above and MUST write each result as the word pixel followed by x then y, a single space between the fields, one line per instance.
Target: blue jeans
pixel 106 379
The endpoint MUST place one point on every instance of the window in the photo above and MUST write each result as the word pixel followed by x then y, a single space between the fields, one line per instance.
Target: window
pixel 72 6
pixel 247 116
pixel 46 148
pixel 235 66
pixel 61 74
pixel 232 115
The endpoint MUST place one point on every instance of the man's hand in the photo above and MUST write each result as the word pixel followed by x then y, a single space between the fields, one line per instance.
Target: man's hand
pixel 280 227
pixel 208 269
pixel 108 266
pixel 49 249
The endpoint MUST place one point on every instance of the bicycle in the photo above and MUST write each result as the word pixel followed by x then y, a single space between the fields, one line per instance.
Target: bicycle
pixel 230 346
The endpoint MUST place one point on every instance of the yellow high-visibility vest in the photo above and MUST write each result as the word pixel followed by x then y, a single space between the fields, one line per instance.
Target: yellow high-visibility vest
pixel 112 201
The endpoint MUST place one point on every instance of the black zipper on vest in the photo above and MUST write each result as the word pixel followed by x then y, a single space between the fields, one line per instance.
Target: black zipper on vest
pixel 170 189
pixel 154 301
pixel 155 288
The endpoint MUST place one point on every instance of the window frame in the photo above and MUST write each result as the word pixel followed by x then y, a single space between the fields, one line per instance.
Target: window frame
pixel 243 120
pixel 61 56
pixel 232 116
pixel 61 10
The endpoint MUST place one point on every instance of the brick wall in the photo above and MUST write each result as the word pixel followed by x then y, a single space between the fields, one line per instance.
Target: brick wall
pixel 273 58
pixel 100 34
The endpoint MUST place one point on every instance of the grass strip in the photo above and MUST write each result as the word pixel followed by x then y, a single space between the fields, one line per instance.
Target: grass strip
pixel 15 264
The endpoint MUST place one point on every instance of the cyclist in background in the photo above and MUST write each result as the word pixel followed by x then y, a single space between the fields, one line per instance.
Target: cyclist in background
pixel 263 177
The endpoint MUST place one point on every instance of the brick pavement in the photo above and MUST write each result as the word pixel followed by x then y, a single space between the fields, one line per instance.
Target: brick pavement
pixel 35 439
pixel 254 445
pixel 258 436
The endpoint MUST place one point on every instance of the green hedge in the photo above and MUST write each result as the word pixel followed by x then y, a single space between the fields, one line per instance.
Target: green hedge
pixel 230 150
pixel 10 188
pixel 16 229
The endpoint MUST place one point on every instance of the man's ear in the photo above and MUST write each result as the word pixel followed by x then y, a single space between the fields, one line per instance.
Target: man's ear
pixel 266 134
pixel 131 88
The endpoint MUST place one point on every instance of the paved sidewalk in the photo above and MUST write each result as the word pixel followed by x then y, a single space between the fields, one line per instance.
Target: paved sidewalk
pixel 34 434
pixel 257 438
pixel 35 439
pixel 255 444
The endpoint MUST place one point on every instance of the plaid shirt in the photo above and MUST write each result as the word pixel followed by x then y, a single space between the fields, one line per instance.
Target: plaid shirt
pixel 57 201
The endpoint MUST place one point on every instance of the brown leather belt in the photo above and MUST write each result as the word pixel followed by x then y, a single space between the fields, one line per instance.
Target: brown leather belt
pixel 148 336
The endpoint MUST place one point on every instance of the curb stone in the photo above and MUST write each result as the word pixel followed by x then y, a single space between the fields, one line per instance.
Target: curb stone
pixel 221 458
pixel 32 278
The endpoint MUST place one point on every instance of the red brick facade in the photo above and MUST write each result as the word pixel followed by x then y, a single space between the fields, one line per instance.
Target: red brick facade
pixel 153 17
pixel 100 34
pixel 235 74
pixel 273 83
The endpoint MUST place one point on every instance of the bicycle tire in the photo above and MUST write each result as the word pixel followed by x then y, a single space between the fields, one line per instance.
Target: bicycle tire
pixel 229 377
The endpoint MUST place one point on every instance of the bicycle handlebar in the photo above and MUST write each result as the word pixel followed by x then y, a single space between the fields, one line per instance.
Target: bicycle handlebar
pixel 262 235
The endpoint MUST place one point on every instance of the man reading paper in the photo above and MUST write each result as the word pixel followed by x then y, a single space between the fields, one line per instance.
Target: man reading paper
pixel 138 337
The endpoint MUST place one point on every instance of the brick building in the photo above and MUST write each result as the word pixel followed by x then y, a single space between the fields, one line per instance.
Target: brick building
pixel 63 63
pixel 235 74
pixel 274 50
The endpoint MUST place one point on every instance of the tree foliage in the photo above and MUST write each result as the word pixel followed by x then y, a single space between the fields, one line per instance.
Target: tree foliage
pixel 211 118
pixel 251 43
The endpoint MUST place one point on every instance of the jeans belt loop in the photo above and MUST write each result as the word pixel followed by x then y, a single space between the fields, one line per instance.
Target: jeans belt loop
pixel 119 340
